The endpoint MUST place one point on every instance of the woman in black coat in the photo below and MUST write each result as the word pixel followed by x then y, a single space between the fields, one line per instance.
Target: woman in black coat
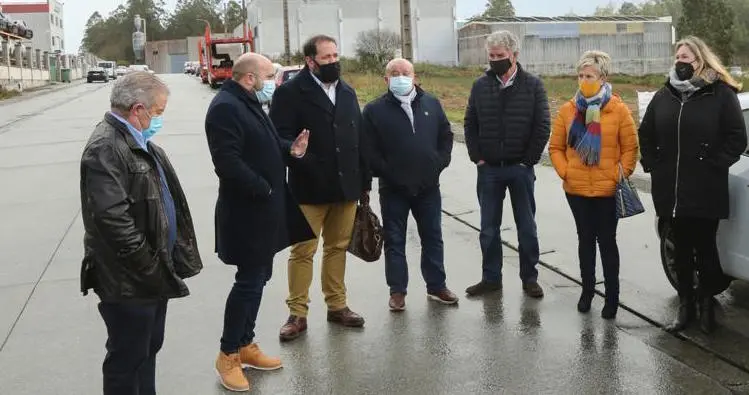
pixel 692 132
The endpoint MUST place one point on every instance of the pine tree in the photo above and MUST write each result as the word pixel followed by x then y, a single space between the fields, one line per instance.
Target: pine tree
pixel 710 20
pixel 499 8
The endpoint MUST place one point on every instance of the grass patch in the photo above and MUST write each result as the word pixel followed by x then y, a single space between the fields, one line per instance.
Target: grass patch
pixel 452 86
pixel 7 94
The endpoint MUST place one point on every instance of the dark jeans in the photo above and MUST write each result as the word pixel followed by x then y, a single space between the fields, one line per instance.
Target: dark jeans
pixel 492 184
pixel 135 333
pixel 427 211
pixel 596 222
pixel 243 305
pixel 696 238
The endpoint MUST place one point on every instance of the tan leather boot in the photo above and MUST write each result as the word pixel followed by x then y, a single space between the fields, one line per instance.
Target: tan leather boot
pixel 229 369
pixel 252 357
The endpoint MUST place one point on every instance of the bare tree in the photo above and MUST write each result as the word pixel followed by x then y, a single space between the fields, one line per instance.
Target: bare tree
pixel 375 48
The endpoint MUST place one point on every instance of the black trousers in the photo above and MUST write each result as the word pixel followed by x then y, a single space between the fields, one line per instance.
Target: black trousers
pixel 596 222
pixel 135 334
pixel 697 250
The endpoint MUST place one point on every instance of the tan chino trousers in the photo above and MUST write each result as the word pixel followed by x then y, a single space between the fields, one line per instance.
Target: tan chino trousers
pixel 335 223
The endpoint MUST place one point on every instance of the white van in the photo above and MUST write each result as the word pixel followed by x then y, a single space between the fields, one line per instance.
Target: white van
pixel 110 68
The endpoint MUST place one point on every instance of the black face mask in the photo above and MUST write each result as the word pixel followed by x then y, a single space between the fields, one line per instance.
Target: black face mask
pixel 328 73
pixel 500 67
pixel 685 71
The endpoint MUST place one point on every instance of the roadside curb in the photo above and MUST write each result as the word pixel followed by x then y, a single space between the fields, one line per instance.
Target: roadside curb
pixel 42 90
pixel 640 180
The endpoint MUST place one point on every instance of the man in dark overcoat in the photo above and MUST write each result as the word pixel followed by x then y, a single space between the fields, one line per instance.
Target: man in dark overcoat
pixel 255 214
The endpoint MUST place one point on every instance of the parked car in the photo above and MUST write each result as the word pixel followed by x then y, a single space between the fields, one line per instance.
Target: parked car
pixel 19 28
pixel 736 71
pixel 732 245
pixel 286 73
pixel 5 23
pixel 120 71
pixel 140 67
pixel 97 74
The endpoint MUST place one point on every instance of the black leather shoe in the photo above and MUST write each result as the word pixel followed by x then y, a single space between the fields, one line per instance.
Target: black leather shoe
pixel 707 315
pixel 684 317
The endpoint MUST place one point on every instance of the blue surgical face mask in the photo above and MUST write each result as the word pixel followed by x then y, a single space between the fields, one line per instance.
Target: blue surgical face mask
pixel 153 127
pixel 401 85
pixel 265 94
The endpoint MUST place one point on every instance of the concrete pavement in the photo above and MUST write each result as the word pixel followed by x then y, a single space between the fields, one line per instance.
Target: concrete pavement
pixel 53 339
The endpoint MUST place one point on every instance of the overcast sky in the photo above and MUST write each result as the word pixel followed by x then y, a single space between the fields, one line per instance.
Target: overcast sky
pixel 78 11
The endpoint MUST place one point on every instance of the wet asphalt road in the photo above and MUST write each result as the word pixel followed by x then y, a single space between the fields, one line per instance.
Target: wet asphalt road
pixel 53 339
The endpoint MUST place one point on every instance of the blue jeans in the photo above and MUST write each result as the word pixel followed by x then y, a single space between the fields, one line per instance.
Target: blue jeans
pixel 135 333
pixel 596 222
pixel 427 211
pixel 491 186
pixel 243 305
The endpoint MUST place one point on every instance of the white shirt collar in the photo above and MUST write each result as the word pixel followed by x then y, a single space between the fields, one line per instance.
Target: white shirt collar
pixel 510 81
pixel 322 84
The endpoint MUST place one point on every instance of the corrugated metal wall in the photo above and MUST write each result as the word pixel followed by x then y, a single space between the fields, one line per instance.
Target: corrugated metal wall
pixel 435 38
pixel 553 48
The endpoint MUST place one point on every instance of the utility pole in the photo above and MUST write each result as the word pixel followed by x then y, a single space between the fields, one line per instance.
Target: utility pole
pixel 244 24
pixel 286 44
pixel 226 17
pixel 406 37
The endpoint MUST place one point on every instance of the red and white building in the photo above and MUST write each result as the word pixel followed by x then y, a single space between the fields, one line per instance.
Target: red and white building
pixel 44 18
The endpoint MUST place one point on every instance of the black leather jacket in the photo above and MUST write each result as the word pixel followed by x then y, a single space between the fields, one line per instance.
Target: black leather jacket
pixel 126 255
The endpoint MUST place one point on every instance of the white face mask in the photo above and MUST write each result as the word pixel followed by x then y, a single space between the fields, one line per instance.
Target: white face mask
pixel 401 85
pixel 266 94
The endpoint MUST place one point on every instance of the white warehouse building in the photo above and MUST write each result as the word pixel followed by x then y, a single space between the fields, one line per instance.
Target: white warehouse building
pixel 435 38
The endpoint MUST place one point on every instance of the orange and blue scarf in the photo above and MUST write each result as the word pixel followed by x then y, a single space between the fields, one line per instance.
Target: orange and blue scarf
pixel 585 132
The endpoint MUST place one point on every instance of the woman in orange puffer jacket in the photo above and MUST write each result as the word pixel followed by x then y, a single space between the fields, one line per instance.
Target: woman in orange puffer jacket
pixel 593 143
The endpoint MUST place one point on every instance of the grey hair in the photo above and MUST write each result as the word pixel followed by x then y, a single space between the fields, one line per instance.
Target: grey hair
pixel 391 65
pixel 599 60
pixel 503 39
pixel 136 87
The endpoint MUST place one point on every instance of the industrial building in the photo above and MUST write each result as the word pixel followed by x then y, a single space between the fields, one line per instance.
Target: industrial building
pixel 169 56
pixel 44 18
pixel 552 46
pixel 433 24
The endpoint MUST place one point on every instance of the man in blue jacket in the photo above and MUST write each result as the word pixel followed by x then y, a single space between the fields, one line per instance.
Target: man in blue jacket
pixel 409 142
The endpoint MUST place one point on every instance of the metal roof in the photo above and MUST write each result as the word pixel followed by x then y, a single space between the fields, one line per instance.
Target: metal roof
pixel 616 18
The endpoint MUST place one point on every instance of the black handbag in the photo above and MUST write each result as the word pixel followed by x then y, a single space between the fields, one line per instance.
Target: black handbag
pixel 628 202
pixel 366 238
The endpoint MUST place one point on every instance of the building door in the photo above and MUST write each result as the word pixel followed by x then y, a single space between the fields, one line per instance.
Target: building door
pixel 178 62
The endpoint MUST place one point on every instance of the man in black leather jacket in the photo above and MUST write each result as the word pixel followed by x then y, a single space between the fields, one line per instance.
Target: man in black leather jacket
pixel 139 237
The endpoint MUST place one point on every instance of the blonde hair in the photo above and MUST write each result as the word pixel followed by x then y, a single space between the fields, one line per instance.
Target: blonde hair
pixel 599 60
pixel 707 59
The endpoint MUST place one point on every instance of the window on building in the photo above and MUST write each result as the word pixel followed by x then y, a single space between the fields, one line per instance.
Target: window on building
pixel 61 23
pixel 62 44
pixel 52 19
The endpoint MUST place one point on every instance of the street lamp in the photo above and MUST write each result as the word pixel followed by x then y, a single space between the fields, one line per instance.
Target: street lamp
pixel 139 38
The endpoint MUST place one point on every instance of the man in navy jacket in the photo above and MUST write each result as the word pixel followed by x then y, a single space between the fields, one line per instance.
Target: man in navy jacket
pixel 256 215
pixel 409 142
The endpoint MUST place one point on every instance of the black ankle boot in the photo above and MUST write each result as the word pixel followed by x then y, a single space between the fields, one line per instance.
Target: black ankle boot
pixel 684 317
pixel 610 307
pixel 707 315
pixel 583 305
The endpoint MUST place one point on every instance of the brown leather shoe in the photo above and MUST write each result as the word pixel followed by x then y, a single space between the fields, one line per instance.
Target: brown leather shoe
pixel 293 328
pixel 397 302
pixel 444 296
pixel 346 317
pixel 533 290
